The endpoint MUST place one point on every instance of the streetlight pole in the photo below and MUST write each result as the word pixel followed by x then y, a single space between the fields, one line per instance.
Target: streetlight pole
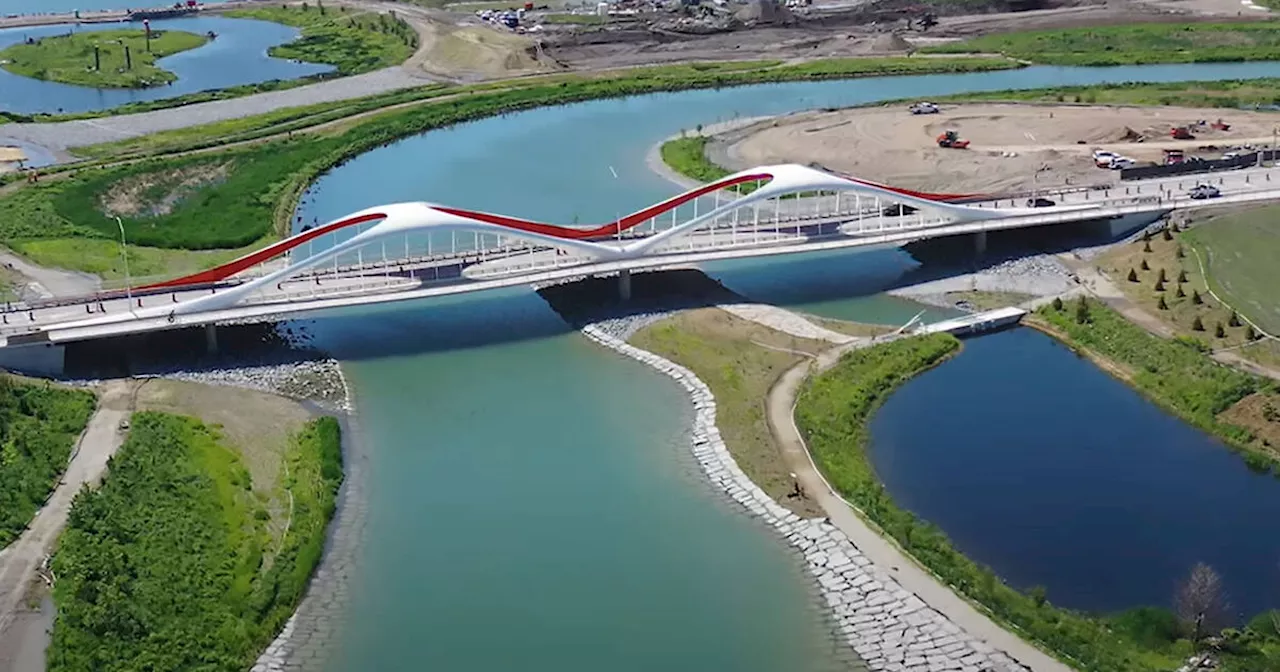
pixel 124 254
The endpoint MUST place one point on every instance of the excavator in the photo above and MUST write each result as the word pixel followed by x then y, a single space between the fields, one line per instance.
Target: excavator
pixel 951 140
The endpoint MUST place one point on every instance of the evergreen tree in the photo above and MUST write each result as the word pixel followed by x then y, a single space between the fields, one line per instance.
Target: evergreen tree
pixel 1165 235
pixel 1057 303
pixel 1160 286
pixel 1146 246
pixel 1179 293
pixel 1234 321
pixel 1219 331
pixel 1195 297
pixel 1182 276
pixel 1250 334
pixel 1197 325
pixel 1145 266
pixel 1162 305
pixel 1082 311
pixel 1133 275
pixel 1163 277
pixel 1178 252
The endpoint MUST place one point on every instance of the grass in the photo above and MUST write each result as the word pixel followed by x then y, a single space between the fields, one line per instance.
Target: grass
pixel 39 426
pixel 982 300
pixel 832 413
pixel 1174 373
pixel 723 351
pixel 1236 93
pixel 1239 252
pixel 1132 44
pixel 206 540
pixel 1181 312
pixel 70 58
pixel 352 42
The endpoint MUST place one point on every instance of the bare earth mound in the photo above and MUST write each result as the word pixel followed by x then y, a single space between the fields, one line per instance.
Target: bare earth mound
pixel 1014 147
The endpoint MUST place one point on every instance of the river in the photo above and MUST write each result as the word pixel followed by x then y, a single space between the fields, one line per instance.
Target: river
pixel 532 500
pixel 238 56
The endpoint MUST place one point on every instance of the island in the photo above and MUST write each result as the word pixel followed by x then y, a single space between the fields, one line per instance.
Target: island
pixel 123 59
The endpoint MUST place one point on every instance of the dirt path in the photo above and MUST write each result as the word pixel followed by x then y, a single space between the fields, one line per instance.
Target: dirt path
pixel 50 282
pixel 781 407
pixel 20 560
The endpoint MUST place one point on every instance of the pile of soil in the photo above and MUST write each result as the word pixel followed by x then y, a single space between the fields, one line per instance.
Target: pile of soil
pixel 764 12
pixel 884 43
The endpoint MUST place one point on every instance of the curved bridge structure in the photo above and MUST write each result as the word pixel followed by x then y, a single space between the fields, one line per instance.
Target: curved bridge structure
pixel 413 250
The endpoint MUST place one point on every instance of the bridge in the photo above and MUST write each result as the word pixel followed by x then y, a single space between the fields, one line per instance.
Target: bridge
pixel 407 251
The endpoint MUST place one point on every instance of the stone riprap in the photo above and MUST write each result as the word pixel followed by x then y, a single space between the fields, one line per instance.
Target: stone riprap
pixel 308 638
pixel 890 629
pixel 785 321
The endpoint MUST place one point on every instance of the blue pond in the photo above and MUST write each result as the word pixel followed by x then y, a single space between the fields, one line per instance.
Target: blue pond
pixel 1053 473
pixel 238 56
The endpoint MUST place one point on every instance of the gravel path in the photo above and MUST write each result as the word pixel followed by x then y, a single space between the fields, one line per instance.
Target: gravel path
pixel 59 136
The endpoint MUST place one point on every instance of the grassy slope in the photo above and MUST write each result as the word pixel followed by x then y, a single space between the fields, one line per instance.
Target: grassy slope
pixel 39 425
pixel 1239 252
pixel 205 541
pixel 351 42
pixel 69 58
pixel 1132 44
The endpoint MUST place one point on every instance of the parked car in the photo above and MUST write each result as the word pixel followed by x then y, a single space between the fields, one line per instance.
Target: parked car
pixel 1121 162
pixel 1102 158
pixel 1039 202
pixel 897 210
pixel 1202 191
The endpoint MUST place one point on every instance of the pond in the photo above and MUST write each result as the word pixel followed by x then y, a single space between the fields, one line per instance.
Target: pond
pixel 238 56
pixel 1043 467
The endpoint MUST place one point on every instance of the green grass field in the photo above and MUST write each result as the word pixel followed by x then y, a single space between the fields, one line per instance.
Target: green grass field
pixel 69 58
pixel 353 42
pixel 204 539
pixel 1132 44
pixel 1240 252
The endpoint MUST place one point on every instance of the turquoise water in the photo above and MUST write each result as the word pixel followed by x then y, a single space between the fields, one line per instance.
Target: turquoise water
pixel 1116 499
pixel 533 503
pixel 238 56
pixel 8 7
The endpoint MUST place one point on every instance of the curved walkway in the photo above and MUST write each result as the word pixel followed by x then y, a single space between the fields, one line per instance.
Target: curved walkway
pixel 902 569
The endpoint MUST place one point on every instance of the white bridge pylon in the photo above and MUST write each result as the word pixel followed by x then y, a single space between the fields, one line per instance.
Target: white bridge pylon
pixel 791 202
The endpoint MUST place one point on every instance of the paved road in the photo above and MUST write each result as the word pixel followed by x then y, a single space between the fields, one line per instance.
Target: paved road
pixel 780 406
pixel 20 560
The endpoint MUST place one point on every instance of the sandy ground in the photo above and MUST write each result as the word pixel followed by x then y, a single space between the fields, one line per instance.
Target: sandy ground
pixel 1014 147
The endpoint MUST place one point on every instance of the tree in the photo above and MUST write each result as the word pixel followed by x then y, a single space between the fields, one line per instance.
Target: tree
pixel 1234 321
pixel 1179 293
pixel 1197 325
pixel 1133 275
pixel 1218 331
pixel 1160 285
pixel 1145 266
pixel 1250 334
pixel 1201 603
pixel 1178 252
pixel 1173 226
pixel 1161 304
pixel 1195 297
pixel 1163 277
pixel 1146 245
pixel 1165 234
pixel 1057 303
pixel 1082 311
pixel 1182 276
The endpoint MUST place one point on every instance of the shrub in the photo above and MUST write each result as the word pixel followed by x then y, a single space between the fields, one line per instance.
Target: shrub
pixel 1082 311
pixel 1057 303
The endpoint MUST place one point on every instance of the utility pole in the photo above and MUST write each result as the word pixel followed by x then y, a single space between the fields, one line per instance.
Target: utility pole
pixel 146 26
pixel 128 60
pixel 97 59
pixel 124 254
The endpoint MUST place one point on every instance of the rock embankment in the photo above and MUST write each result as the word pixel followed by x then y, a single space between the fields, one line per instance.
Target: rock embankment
pixel 890 629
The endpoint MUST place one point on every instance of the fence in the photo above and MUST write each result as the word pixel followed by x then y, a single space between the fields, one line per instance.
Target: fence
pixel 1189 167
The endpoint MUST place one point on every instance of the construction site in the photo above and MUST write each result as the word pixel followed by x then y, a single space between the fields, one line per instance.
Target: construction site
pixel 994 147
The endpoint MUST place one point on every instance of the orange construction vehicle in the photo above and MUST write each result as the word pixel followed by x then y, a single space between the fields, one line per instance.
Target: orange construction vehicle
pixel 1181 133
pixel 1220 125
pixel 951 140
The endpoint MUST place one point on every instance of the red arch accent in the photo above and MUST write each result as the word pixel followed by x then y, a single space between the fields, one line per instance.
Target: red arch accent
pixel 229 269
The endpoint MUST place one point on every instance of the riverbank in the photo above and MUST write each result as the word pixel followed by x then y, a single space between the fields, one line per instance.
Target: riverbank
pixel 886 625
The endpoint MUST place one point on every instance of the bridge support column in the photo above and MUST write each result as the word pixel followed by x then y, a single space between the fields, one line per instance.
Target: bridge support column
pixel 624 284
pixel 211 339
pixel 980 243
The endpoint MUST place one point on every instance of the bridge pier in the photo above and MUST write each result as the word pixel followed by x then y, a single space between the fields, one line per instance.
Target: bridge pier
pixel 624 284
pixel 211 339
pixel 980 244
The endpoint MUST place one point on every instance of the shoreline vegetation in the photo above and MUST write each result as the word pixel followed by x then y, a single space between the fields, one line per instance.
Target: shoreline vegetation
pixel 123 59
pixel 211 536
pixel 259 184
pixel 1136 44
pixel 353 42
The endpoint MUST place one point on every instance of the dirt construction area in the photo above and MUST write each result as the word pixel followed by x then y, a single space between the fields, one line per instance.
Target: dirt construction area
pixel 1012 147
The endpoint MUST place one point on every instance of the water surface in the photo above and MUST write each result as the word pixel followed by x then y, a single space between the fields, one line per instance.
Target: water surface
pixel 8 7
pixel 238 56
pixel 1043 467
